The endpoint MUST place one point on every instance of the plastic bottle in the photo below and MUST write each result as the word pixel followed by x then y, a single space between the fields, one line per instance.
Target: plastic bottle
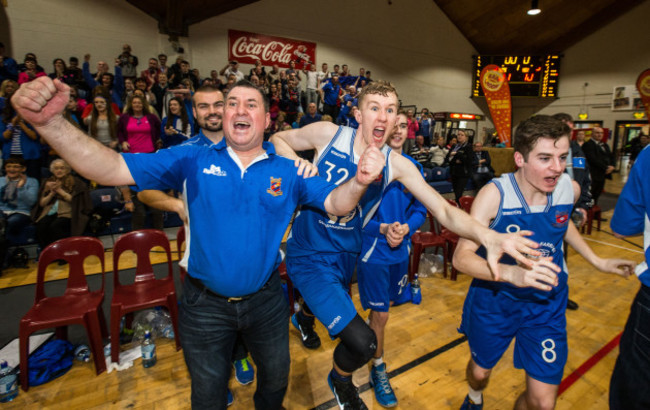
pixel 8 383
pixel 148 349
pixel 82 353
pixel 416 296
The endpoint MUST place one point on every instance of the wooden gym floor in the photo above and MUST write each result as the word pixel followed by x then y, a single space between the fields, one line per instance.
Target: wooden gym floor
pixel 426 356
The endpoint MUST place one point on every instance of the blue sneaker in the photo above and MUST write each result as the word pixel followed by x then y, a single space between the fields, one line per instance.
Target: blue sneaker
pixel 346 394
pixel 231 398
pixel 383 391
pixel 468 404
pixel 244 371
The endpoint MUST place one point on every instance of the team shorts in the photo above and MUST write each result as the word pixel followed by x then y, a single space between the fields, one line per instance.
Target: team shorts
pixel 491 320
pixel 380 284
pixel 324 281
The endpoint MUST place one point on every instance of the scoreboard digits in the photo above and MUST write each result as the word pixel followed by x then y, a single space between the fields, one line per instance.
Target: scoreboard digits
pixel 528 76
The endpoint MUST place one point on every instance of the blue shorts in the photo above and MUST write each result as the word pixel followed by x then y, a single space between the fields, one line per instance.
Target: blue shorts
pixel 380 284
pixel 491 320
pixel 324 281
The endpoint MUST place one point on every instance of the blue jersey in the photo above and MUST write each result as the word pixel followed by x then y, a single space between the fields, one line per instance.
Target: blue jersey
pixel 631 213
pixel 397 205
pixel 237 216
pixel 548 222
pixel 315 231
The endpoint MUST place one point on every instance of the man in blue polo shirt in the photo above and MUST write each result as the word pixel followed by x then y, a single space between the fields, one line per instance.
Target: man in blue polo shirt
pixel 631 377
pixel 240 198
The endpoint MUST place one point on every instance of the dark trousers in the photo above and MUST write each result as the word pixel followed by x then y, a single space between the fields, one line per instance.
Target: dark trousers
pixel 459 183
pixel 597 189
pixel 50 229
pixel 628 388
pixel 331 110
pixel 140 213
pixel 209 326
pixel 13 226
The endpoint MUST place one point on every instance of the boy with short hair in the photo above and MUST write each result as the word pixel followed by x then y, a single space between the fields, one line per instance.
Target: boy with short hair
pixel 527 304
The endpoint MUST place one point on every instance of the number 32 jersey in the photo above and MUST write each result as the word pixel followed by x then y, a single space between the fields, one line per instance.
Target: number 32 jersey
pixel 315 231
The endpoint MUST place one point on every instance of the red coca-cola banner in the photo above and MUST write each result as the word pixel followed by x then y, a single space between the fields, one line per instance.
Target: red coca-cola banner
pixel 247 48
pixel 643 85
pixel 497 94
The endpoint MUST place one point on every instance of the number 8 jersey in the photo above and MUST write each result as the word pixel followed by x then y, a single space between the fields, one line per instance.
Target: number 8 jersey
pixel 315 231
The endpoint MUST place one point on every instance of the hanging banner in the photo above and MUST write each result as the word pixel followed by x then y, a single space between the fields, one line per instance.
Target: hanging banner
pixel 643 85
pixel 497 94
pixel 247 48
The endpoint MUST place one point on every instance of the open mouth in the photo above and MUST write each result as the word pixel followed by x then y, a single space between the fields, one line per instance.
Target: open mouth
pixel 242 125
pixel 378 134
pixel 551 180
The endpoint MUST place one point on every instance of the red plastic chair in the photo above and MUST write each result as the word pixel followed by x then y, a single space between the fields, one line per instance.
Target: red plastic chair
pixel 422 240
pixel 146 291
pixel 180 240
pixel 78 305
pixel 592 214
pixel 466 202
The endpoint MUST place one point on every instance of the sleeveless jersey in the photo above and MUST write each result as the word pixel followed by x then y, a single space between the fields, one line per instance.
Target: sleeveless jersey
pixel 315 231
pixel 548 222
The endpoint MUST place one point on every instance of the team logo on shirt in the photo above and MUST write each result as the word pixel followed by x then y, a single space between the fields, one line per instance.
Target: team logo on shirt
pixel 276 187
pixel 561 218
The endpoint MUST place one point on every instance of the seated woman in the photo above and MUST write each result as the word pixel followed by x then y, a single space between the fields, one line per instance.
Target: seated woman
pixel 176 127
pixel 63 206
pixel 18 194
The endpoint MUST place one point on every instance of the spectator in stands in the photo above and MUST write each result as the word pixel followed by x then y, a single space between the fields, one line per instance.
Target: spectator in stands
pixel 280 123
pixel 413 128
pixel 162 64
pixel 71 113
pixel 30 71
pixel 291 99
pixel 162 93
pixel 601 161
pixel 296 123
pixel 151 74
pixel 461 163
pixel 452 142
pixel 61 72
pixel 8 66
pixel 139 132
pixel 426 124
pixel 638 147
pixel 257 70
pixel 20 141
pixel 81 102
pixel 141 84
pixel 185 73
pixel 311 116
pixel 420 152
pixel 439 152
pixel 7 88
pixel 113 83
pixel 176 127
pixel 330 94
pixel 312 84
pixel 18 194
pixel 232 68
pixel 63 206
pixel 128 62
pixel 274 74
pixel 102 123
pixel 483 171
pixel 75 72
pixel 580 137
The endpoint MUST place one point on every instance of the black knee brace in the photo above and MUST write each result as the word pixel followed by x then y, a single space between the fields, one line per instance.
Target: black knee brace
pixel 358 345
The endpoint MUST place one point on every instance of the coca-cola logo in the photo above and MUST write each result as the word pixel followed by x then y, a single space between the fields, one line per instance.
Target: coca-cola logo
pixel 274 51
pixel 248 48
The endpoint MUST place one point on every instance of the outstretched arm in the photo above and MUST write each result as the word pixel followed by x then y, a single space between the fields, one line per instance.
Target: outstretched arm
pixel 622 267
pixel 454 219
pixel 41 102
pixel 313 136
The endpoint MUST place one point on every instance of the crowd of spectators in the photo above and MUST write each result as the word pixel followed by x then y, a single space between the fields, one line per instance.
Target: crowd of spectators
pixel 133 110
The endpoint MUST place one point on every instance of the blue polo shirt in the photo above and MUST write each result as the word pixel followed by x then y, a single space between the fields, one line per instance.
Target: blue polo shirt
pixel 237 216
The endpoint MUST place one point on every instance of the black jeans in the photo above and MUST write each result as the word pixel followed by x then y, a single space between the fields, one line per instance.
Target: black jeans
pixel 50 229
pixel 630 385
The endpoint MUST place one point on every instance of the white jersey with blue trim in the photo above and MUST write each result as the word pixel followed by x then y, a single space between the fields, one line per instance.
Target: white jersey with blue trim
pixel 548 223
pixel 315 231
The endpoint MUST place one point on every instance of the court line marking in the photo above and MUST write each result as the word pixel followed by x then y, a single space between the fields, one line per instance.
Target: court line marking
pixel 588 364
pixel 612 245
pixel 404 368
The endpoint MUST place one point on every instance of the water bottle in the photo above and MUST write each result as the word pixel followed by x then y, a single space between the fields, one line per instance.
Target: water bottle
pixel 8 383
pixel 416 296
pixel 148 349
pixel 82 353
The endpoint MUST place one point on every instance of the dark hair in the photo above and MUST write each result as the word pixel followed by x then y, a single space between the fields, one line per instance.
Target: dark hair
pixel 73 59
pixel 110 75
pixel 536 127
pixel 15 160
pixel 145 105
pixel 62 61
pixel 170 117
pixel 564 117
pixel 248 84
pixel 162 55
pixel 110 116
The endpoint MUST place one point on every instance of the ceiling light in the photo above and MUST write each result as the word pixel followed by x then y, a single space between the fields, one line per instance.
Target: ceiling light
pixel 534 9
